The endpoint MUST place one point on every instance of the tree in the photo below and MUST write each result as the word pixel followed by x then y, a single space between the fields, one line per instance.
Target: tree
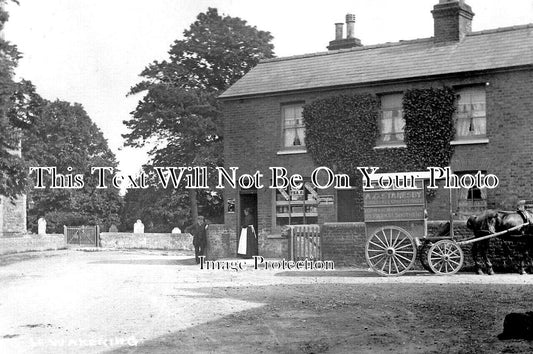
pixel 179 110
pixel 12 167
pixel 163 209
pixel 52 134
pixel 63 136
pixel 159 210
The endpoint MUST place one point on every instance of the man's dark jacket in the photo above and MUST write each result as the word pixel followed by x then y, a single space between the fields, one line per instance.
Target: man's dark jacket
pixel 198 233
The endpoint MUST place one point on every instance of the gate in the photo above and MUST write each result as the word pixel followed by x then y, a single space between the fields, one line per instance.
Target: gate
pixel 305 242
pixel 82 235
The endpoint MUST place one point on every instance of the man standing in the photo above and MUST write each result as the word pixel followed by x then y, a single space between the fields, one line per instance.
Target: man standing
pixel 199 237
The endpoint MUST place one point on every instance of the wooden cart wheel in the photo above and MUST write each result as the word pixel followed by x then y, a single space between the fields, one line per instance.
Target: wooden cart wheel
pixel 423 256
pixel 445 257
pixel 390 251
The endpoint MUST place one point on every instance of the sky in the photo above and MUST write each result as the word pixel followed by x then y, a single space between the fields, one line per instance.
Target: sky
pixel 92 51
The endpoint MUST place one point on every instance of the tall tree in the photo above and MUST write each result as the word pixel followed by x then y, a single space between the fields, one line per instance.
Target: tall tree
pixel 63 136
pixel 12 167
pixel 179 110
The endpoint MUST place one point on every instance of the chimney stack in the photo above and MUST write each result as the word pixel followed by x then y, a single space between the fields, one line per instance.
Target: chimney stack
pixel 350 40
pixel 452 20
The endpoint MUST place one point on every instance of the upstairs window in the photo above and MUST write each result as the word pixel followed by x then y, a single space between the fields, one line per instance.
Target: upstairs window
pixel 471 121
pixel 293 126
pixel 391 123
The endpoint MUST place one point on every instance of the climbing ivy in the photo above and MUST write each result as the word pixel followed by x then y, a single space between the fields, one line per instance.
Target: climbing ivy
pixel 342 131
pixel 429 126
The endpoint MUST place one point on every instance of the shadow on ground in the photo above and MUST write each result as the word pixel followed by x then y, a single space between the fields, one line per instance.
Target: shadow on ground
pixel 343 273
pixel 155 261
pixel 400 318
pixel 8 259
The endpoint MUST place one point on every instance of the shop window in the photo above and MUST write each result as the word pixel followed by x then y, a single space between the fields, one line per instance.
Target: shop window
pixel 391 123
pixel 293 126
pixel 296 206
pixel 471 121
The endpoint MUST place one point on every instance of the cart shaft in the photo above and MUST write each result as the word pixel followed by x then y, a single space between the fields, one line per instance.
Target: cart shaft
pixel 472 240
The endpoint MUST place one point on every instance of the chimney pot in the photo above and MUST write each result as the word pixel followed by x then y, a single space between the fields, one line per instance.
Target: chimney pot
pixel 338 31
pixel 350 22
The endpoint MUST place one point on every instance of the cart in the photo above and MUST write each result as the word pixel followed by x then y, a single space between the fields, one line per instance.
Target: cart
pixel 394 215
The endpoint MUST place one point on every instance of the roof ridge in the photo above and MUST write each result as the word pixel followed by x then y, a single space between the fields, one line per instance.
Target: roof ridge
pixel 345 50
pixel 501 29
pixel 389 44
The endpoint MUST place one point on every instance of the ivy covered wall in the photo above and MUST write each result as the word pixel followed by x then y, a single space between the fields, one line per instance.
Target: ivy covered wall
pixel 342 132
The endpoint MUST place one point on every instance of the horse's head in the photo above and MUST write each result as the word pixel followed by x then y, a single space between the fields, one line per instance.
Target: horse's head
pixel 471 222
pixel 486 221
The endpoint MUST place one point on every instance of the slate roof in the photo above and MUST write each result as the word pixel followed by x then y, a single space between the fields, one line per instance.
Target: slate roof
pixel 484 50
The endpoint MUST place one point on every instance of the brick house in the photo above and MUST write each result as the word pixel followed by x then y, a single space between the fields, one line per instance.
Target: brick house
pixel 491 72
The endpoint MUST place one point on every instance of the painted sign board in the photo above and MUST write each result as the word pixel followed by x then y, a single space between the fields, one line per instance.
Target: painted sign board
pixel 383 205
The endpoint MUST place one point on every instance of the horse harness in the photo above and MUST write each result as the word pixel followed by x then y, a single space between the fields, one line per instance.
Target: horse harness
pixel 526 218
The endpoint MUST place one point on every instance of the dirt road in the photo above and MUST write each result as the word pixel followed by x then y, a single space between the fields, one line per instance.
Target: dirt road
pixel 145 302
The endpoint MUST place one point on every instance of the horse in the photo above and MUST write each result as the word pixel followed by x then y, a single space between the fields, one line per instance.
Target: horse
pixel 493 221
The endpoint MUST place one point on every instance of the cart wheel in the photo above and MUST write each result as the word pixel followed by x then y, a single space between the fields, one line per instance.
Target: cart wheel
pixel 445 257
pixel 390 251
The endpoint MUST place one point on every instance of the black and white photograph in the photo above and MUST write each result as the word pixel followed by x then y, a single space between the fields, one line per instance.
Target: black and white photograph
pixel 232 176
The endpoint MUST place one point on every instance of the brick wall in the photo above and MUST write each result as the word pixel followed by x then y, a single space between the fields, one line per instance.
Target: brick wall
pixel 218 242
pixel 510 105
pixel 344 243
pixel 146 241
pixel 273 246
pixel 32 243
pixel 222 243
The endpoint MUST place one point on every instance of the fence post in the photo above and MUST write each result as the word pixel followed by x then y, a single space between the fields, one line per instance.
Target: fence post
pixel 299 239
pixel 307 250
pixel 291 243
pixel 97 237
pixel 65 233
pixel 319 231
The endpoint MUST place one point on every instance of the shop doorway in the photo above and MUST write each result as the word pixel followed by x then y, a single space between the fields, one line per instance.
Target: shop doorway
pixel 248 199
